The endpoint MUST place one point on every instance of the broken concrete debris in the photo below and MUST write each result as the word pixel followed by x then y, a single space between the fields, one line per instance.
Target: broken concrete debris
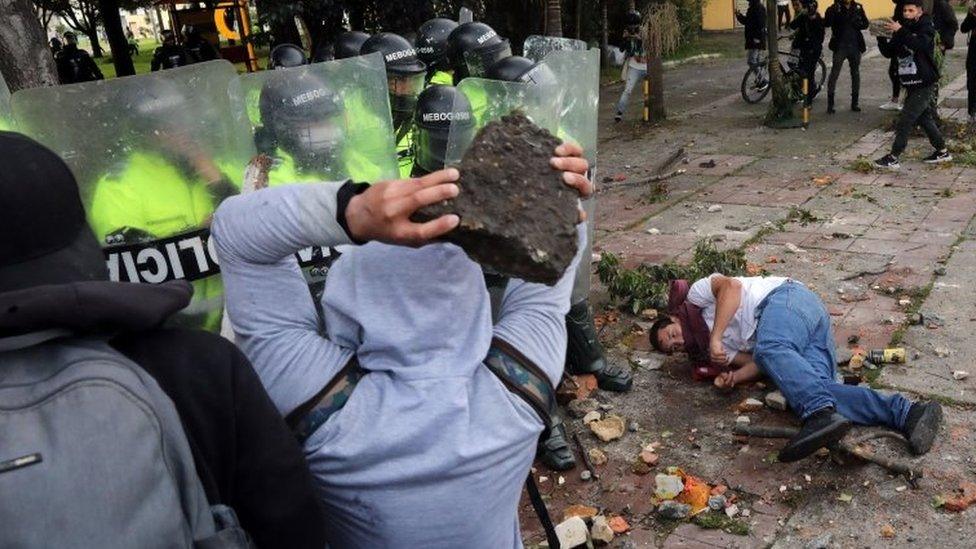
pixel 749 405
pixel 582 511
pixel 597 457
pixel 716 503
pixel 776 400
pixel 572 532
pixel 668 486
pixel 581 406
pixel 592 416
pixel 673 510
pixel 600 531
pixel 609 428
pixel 517 217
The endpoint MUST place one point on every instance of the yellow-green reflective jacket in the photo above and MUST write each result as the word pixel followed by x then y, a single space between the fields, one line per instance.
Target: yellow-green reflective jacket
pixel 148 193
pixel 355 166
pixel 442 77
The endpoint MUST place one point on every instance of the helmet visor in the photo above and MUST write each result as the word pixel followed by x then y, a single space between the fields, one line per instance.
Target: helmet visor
pixel 479 60
pixel 314 143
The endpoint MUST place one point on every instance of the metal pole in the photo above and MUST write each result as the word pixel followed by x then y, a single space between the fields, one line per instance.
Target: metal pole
pixel 647 97
pixel 806 102
pixel 245 21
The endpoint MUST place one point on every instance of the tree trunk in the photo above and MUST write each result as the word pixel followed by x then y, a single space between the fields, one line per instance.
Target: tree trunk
pixel 604 34
pixel 554 18
pixel 780 113
pixel 655 76
pixel 579 19
pixel 96 45
pixel 116 37
pixel 25 59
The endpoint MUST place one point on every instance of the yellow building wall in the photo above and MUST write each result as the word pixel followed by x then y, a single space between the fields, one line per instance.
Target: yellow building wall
pixel 719 14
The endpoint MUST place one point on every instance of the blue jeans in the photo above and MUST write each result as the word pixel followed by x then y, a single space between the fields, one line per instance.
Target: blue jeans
pixel 634 76
pixel 795 348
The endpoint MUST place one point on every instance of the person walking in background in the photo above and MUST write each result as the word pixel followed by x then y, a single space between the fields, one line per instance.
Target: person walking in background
pixel 946 25
pixel 754 22
pixel 635 65
pixel 74 64
pixel 846 20
pixel 808 37
pixel 782 13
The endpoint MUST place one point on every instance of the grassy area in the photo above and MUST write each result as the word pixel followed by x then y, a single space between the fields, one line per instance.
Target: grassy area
pixel 143 59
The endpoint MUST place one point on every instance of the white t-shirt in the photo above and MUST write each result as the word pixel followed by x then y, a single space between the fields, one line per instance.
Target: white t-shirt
pixel 782 2
pixel 739 335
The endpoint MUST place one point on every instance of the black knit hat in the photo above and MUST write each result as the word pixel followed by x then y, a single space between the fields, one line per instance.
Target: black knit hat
pixel 45 237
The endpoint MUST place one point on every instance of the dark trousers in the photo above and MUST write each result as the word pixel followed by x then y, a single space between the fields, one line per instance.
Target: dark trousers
pixel 808 68
pixel 971 82
pixel 895 82
pixel 783 16
pixel 853 58
pixel 916 112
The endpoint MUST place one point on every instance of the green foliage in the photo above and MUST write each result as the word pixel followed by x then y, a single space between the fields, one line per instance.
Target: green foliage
pixel 861 165
pixel 713 520
pixel 689 19
pixel 646 286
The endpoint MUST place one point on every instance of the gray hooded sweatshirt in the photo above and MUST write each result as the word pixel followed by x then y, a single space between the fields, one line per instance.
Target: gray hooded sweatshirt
pixel 431 450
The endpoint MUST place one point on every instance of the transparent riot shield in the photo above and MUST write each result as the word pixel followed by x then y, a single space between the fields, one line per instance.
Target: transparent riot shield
pixel 538 47
pixel 6 118
pixel 493 99
pixel 326 121
pixel 153 155
pixel 578 75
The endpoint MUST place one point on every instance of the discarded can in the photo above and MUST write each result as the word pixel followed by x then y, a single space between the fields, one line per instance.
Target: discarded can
pixel 893 355
pixel 857 361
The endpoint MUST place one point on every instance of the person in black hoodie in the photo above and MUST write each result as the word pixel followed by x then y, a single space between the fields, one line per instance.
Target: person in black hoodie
pixel 846 20
pixel 754 22
pixel 913 45
pixel 53 276
pixel 969 25
pixel 74 64
pixel 808 39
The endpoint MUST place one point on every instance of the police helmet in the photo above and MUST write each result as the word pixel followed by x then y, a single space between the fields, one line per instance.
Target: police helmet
pixel 474 43
pixel 519 69
pixel 400 57
pixel 302 114
pixel 349 43
pixel 440 111
pixel 432 42
pixel 286 55
pixel 633 18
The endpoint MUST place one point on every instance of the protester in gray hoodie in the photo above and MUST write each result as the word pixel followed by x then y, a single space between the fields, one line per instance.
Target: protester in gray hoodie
pixel 428 431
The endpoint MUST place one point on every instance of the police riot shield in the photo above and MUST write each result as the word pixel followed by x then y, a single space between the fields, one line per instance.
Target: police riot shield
pixel 492 99
pixel 6 121
pixel 578 75
pixel 153 156
pixel 538 47
pixel 327 121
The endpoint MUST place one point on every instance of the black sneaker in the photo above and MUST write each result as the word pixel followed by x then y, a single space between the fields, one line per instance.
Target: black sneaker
pixel 888 162
pixel 921 426
pixel 937 157
pixel 855 108
pixel 554 450
pixel 822 429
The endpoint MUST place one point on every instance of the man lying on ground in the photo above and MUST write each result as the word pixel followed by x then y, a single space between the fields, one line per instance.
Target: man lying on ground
pixel 399 415
pixel 749 326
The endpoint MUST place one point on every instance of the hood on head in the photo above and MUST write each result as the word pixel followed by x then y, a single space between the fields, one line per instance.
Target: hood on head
pixel 414 312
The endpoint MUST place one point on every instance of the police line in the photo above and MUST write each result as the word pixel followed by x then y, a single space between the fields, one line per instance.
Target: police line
pixel 188 256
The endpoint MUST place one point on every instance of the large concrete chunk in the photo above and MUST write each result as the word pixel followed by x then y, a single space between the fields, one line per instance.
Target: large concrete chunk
pixel 517 216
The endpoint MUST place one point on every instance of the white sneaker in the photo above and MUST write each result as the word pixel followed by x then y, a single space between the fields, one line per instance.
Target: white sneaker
pixel 890 106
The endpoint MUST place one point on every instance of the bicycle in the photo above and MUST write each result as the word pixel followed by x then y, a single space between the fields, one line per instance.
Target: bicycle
pixel 755 83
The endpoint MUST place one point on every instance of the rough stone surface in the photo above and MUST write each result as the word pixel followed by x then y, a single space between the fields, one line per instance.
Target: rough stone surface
pixel 582 406
pixel 668 486
pixel 572 532
pixel 673 510
pixel 608 428
pixel 600 532
pixel 582 511
pixel 716 503
pixel 517 215
pixel 750 405
pixel 592 416
pixel 776 400
pixel 597 457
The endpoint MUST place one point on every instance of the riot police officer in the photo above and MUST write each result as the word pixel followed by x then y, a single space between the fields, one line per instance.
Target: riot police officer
pixel 348 44
pixel 74 64
pixel 170 55
pixel 440 110
pixel 405 76
pixel 432 49
pixel 166 186
pixel 199 48
pixel 474 47
pixel 286 55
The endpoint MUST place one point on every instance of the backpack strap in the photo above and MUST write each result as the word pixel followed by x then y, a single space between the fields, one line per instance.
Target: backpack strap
pixel 308 417
pixel 522 377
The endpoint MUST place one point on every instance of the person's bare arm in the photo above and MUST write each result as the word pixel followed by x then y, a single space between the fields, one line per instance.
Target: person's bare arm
pixel 728 296
pixel 747 370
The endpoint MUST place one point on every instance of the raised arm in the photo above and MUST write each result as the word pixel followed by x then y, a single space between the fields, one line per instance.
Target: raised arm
pixel 728 296
pixel 533 317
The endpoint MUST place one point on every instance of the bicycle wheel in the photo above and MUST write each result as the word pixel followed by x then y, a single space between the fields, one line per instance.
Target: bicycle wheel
pixel 820 73
pixel 755 85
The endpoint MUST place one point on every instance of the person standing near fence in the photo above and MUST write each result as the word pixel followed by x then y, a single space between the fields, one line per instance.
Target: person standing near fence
pixel 635 65
pixel 846 20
